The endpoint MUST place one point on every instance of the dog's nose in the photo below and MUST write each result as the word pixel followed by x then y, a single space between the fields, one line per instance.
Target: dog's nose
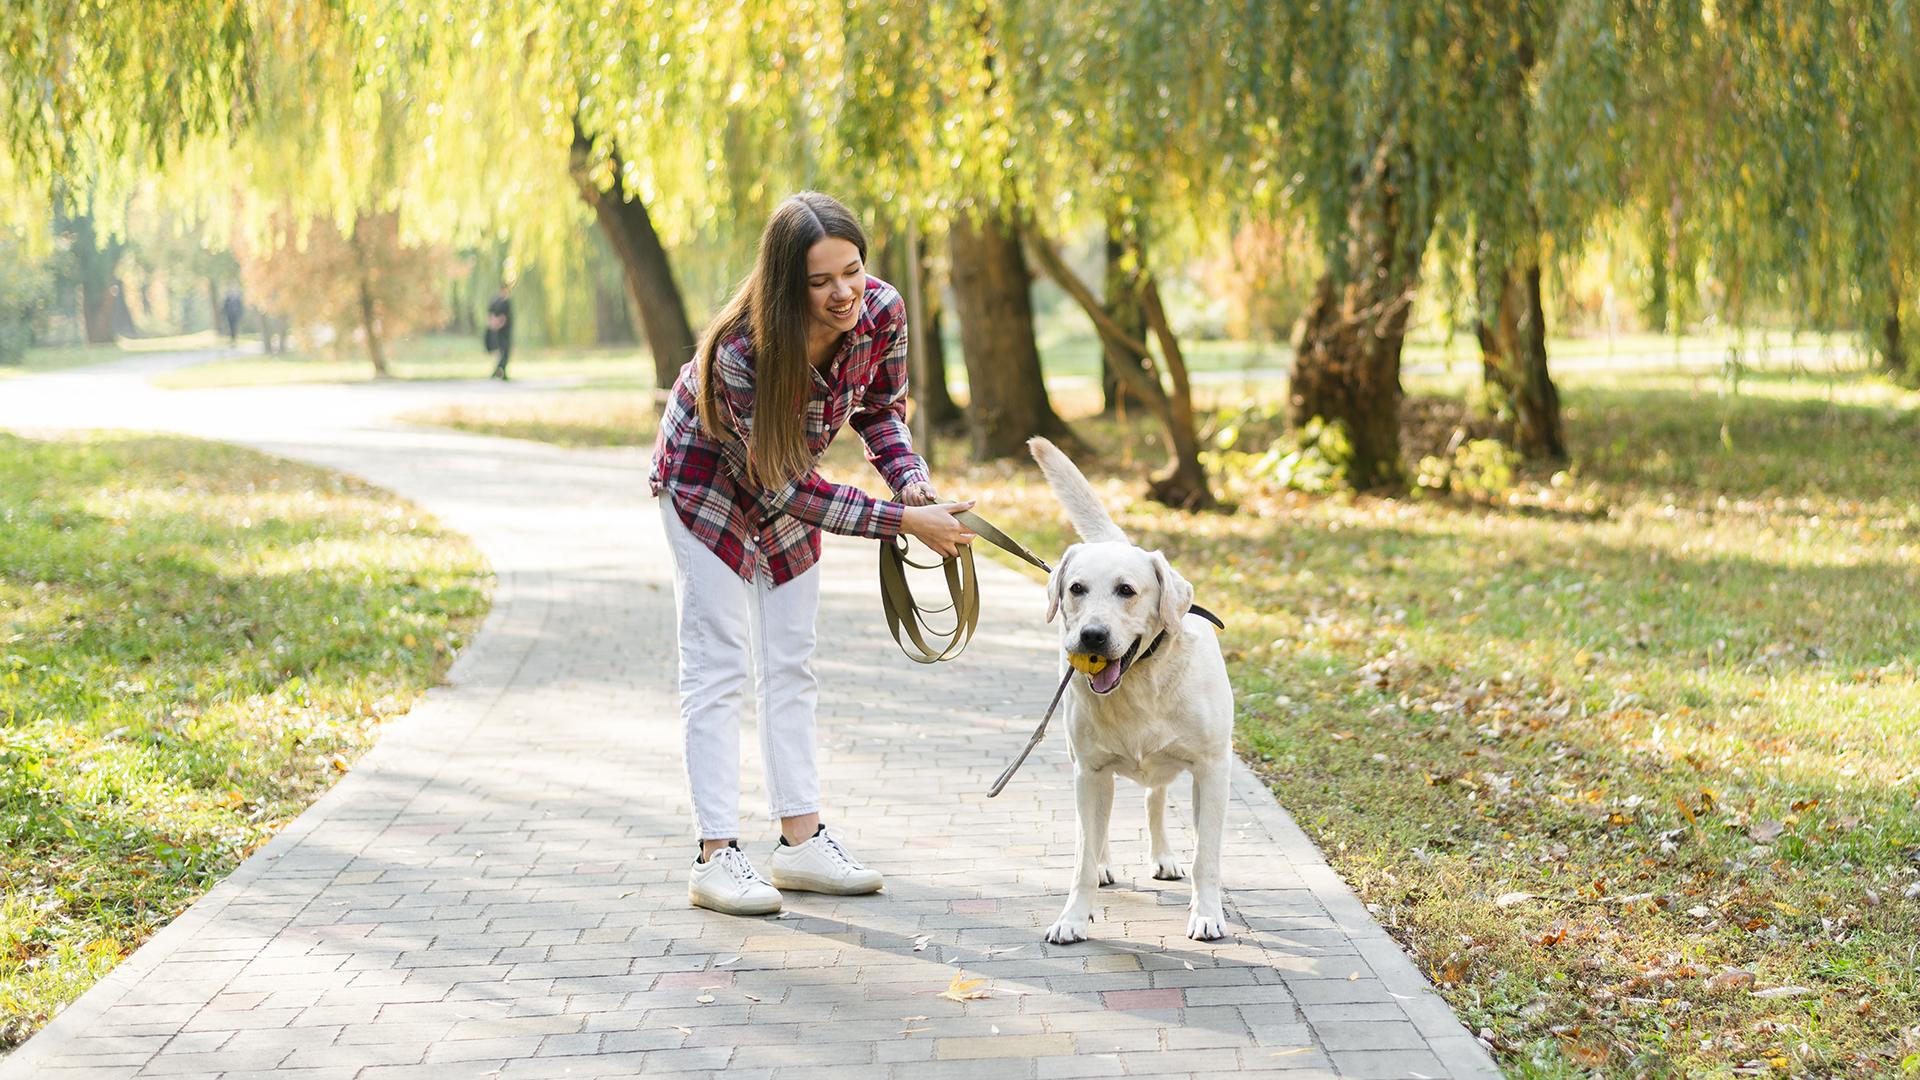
pixel 1095 639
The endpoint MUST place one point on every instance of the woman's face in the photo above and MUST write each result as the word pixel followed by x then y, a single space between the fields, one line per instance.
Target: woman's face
pixel 836 281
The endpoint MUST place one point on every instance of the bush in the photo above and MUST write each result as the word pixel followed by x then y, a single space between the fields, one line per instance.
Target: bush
pixel 26 288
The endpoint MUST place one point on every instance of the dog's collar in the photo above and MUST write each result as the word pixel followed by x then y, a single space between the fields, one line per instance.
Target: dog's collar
pixel 1161 638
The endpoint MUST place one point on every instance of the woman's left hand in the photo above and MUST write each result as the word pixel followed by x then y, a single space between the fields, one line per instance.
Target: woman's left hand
pixel 918 493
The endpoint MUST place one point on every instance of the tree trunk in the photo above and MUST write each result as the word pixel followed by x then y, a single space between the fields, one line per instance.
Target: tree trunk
pixel 1185 484
pixel 97 292
pixel 929 393
pixel 1893 349
pixel 1120 294
pixel 1185 487
pixel 629 231
pixel 990 283
pixel 369 316
pixel 1347 369
pixel 1513 355
pixel 942 410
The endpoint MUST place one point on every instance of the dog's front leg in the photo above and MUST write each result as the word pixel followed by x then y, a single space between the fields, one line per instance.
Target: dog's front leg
pixel 1206 919
pixel 1165 866
pixel 1093 798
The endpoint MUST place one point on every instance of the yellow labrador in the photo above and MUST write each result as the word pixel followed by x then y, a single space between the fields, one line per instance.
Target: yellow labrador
pixel 1161 705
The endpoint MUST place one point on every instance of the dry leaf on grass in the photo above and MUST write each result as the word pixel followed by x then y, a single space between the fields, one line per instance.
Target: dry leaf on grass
pixel 1784 992
pixel 1730 979
pixel 1506 900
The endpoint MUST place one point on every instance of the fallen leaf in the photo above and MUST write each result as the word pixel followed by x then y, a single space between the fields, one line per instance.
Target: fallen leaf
pixel 1730 979
pixel 750 997
pixel 911 1019
pixel 1290 1053
pixel 1766 832
pixel 683 1030
pixel 727 961
pixel 1784 992
pixel 628 893
pixel 912 1031
pixel 1353 976
pixel 705 999
pixel 1507 900
pixel 964 989
pixel 920 944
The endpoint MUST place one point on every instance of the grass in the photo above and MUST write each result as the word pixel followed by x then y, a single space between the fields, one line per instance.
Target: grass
pixel 1587 747
pixel 195 641
pixel 437 357
pixel 60 358
pixel 589 417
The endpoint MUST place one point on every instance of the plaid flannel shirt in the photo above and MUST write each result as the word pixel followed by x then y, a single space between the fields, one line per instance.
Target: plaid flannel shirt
pixel 744 523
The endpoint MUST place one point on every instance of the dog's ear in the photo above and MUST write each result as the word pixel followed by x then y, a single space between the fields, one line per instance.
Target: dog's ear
pixel 1056 582
pixel 1176 596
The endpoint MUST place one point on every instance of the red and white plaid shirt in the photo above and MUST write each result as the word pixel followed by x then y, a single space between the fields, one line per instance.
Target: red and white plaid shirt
pixel 744 523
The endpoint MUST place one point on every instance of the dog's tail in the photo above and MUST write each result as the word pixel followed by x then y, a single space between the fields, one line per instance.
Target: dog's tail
pixel 1089 518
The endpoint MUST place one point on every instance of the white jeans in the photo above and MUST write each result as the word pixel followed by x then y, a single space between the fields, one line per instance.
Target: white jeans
pixel 723 618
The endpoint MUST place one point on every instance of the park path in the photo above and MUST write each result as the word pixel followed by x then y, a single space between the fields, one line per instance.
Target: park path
pixel 497 889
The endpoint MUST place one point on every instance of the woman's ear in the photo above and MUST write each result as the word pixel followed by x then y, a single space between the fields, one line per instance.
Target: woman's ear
pixel 1176 596
pixel 1056 582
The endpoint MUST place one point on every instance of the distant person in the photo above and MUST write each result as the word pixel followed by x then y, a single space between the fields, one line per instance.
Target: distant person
pixel 500 329
pixel 231 309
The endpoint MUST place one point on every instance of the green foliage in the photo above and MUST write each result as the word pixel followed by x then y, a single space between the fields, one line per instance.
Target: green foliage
pixel 26 287
pixel 196 641
pixel 1480 468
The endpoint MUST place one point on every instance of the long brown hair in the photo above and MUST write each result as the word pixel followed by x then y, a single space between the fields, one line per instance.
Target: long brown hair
pixel 771 305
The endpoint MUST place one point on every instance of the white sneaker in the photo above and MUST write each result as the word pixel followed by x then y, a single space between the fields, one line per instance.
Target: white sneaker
pixel 728 883
pixel 822 865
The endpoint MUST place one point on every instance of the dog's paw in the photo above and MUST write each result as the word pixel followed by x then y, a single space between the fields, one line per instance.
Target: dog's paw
pixel 1165 868
pixel 1106 875
pixel 1206 926
pixel 1069 931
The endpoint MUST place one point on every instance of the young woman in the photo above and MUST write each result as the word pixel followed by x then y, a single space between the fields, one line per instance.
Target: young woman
pixel 807 344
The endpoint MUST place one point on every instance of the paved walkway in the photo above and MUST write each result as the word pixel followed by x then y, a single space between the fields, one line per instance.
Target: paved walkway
pixel 498 888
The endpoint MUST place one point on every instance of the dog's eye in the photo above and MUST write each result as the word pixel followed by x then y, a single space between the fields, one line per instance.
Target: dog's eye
pixel 1124 589
pixel 1078 588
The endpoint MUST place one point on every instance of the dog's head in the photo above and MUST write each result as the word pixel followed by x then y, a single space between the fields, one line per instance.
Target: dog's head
pixel 1115 598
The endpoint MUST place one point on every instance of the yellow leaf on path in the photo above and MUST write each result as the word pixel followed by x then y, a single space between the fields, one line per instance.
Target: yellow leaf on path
pixel 963 988
pixel 911 1019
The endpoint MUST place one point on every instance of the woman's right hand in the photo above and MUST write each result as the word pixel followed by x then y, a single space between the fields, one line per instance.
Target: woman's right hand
pixel 936 527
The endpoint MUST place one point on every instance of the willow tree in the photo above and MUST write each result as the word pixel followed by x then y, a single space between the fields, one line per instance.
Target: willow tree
pixel 1769 147
pixel 1120 108
pixel 918 99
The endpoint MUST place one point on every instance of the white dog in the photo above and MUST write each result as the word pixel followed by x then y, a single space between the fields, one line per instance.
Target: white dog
pixel 1160 707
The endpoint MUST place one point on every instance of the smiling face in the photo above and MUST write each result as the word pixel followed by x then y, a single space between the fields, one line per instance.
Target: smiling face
pixel 1115 598
pixel 836 282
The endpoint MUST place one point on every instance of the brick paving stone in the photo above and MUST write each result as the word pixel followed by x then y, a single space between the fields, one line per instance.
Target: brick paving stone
pixel 498 886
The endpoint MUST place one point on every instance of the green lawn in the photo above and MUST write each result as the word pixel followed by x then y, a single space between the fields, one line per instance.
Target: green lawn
pixel 195 641
pixel 1587 747
pixel 59 358
pixel 429 357
pixel 595 416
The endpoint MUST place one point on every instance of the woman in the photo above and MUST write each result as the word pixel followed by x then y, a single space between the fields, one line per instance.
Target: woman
pixel 807 344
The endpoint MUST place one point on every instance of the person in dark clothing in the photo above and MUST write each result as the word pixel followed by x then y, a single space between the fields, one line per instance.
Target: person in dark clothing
pixel 500 330
pixel 232 307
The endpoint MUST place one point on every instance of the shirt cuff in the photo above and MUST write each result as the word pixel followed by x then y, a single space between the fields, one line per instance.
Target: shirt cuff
pixel 886 519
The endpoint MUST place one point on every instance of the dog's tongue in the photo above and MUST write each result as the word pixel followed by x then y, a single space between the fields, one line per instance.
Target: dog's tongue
pixel 1107 677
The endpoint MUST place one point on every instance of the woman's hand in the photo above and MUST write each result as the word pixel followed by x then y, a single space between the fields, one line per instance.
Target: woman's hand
pixel 918 493
pixel 936 527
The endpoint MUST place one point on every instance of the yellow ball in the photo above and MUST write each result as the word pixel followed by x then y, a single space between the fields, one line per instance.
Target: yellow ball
pixel 1087 663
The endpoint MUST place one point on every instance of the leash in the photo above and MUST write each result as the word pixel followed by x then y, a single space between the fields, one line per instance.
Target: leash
pixel 906 618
